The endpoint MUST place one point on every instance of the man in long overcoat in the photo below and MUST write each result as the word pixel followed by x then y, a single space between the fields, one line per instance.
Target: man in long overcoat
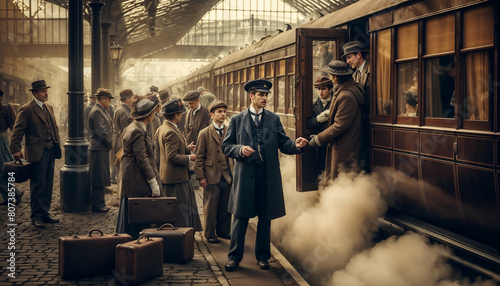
pixel 253 139
pixel 101 141
pixel 37 124
pixel 343 136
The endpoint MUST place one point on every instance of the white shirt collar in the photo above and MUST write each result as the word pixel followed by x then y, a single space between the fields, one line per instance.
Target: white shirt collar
pixel 362 67
pixel 141 124
pixel 196 110
pixel 217 126
pixel 38 102
pixel 253 110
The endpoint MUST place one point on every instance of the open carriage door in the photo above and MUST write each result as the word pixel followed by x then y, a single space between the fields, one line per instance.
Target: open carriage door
pixel 315 49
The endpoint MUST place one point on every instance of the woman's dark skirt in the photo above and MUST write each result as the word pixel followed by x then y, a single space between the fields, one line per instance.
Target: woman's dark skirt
pixel 187 212
pixel 122 225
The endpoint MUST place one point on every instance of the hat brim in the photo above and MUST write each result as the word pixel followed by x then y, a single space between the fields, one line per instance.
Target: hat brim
pixel 262 90
pixel 177 111
pixel 332 72
pixel 355 51
pixel 33 89
pixel 135 116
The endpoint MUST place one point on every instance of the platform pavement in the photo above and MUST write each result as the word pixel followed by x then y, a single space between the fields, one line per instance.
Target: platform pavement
pixel 37 250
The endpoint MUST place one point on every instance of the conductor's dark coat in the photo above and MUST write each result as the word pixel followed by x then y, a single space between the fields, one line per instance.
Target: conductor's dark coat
pixel 239 134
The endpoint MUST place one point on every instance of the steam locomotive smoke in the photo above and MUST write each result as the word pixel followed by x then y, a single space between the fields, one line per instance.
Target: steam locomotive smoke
pixel 328 234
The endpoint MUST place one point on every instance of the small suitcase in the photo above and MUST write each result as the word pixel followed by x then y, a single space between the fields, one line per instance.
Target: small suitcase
pixel 150 210
pixel 178 242
pixel 139 260
pixel 88 255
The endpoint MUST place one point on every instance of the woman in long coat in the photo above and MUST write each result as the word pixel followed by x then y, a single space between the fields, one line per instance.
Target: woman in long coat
pixel 343 136
pixel 174 162
pixel 140 176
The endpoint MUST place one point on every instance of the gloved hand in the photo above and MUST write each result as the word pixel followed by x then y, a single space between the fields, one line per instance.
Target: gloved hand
pixel 323 116
pixel 314 142
pixel 155 189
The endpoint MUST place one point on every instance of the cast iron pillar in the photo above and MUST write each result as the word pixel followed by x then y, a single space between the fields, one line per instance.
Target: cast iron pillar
pixel 105 55
pixel 74 180
pixel 96 6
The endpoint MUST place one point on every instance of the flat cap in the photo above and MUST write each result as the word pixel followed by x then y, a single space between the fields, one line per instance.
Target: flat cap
pixel 261 85
pixel 191 95
pixel 216 104
pixel 126 93
pixel 101 92
pixel 323 81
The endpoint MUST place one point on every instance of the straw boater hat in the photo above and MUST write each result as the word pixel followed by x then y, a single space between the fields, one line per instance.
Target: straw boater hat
pixel 101 92
pixel 191 95
pixel 39 84
pixel 143 109
pixel 323 81
pixel 173 106
pixel 216 104
pixel 337 68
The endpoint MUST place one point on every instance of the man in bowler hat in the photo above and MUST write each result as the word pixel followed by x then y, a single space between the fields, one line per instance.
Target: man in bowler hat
pixel 101 142
pixel 37 124
pixel 253 139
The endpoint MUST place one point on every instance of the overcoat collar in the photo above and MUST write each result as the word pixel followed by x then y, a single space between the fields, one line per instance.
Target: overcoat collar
pixel 247 122
pixel 39 111
pixel 104 110
pixel 171 126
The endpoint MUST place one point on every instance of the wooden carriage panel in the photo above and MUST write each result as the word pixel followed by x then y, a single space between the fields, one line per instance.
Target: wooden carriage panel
pixel 381 158
pixel 437 145
pixel 479 200
pixel 382 137
pixel 406 141
pixel 475 150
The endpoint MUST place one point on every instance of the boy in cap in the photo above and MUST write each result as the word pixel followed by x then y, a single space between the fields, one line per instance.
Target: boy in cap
pixel 253 139
pixel 321 111
pixel 36 123
pixel 213 170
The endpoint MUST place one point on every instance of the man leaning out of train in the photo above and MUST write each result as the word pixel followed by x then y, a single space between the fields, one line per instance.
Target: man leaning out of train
pixel 343 136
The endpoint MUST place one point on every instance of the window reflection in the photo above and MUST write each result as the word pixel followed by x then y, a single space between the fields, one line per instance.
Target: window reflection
pixel 477 79
pixel 323 54
pixel 408 89
pixel 440 87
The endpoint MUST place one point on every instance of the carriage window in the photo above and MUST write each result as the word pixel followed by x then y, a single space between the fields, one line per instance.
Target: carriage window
pixel 270 96
pixel 477 81
pixel 440 35
pixel 322 56
pixel 291 91
pixel 243 75
pixel 262 71
pixel 237 100
pixel 281 68
pixel 269 69
pixel 407 46
pixel 281 93
pixel 290 65
pixel 439 87
pixel 383 75
pixel 407 90
pixel 230 99
pixel 478 27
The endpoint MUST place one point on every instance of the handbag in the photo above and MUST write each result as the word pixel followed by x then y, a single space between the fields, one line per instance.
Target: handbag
pixel 20 170
pixel 150 210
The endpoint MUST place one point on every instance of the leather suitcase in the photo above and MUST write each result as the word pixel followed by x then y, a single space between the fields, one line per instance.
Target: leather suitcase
pixel 139 260
pixel 151 210
pixel 88 255
pixel 178 242
pixel 19 169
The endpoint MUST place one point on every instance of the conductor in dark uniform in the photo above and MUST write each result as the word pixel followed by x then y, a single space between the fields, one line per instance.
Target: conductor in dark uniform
pixel 253 139
pixel 101 142
pixel 37 124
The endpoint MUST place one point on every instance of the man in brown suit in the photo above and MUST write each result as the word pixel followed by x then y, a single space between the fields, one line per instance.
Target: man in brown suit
pixel 213 170
pixel 344 133
pixel 101 142
pixel 197 119
pixel 37 124
pixel 174 161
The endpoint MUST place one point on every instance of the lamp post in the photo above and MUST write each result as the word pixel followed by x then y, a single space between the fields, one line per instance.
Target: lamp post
pixel 115 53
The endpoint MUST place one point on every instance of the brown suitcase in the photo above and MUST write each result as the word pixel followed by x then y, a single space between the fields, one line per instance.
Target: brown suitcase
pixel 178 242
pixel 152 210
pixel 88 255
pixel 139 260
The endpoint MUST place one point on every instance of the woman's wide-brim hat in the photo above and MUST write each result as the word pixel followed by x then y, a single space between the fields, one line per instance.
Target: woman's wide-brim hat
pixel 173 106
pixel 337 68
pixel 39 84
pixel 143 108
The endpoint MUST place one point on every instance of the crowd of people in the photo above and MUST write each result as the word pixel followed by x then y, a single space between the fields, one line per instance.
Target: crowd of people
pixel 159 149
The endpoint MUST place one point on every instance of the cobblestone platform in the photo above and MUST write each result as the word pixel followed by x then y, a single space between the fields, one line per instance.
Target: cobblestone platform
pixel 36 252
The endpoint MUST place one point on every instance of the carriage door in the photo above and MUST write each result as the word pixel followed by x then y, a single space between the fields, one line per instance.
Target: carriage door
pixel 315 49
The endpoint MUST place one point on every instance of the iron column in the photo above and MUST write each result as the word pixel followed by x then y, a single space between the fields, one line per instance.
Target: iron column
pixel 74 180
pixel 96 6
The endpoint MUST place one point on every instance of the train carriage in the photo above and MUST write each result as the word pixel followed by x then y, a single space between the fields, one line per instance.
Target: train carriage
pixel 445 53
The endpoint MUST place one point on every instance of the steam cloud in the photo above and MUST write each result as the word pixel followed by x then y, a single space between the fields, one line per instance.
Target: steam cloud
pixel 329 234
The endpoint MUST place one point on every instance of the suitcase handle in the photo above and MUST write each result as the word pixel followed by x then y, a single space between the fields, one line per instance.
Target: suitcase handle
pixel 94 229
pixel 167 224
pixel 142 236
